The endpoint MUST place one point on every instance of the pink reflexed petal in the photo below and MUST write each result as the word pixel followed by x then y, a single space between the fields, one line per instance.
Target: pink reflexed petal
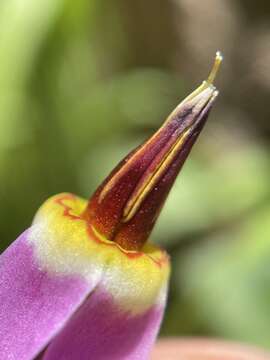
pixel 34 305
pixel 99 330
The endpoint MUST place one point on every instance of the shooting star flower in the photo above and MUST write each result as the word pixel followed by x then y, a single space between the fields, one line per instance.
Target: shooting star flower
pixel 84 281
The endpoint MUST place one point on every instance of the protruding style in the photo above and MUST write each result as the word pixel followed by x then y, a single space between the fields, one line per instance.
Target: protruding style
pixel 215 68
pixel 125 207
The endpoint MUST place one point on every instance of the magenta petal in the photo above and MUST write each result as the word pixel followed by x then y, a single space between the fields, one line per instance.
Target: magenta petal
pixel 34 305
pixel 99 330
pixel 63 317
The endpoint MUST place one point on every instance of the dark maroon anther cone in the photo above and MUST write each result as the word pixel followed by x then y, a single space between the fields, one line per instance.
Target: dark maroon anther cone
pixel 125 207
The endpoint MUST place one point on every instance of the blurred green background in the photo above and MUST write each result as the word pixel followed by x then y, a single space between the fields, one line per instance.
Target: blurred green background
pixel 83 82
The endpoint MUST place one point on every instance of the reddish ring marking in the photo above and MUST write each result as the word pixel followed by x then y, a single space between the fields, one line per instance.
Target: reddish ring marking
pixel 92 235
pixel 67 213
pixel 67 209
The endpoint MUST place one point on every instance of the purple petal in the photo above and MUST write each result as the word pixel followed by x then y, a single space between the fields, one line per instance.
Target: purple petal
pixel 34 305
pixel 100 330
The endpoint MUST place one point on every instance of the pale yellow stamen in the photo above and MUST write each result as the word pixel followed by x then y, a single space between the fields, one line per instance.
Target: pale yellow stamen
pixel 135 202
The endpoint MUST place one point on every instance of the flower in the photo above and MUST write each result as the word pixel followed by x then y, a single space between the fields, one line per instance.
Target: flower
pixel 84 282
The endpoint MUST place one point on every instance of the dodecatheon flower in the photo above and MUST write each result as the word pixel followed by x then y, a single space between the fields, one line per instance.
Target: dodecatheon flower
pixel 84 281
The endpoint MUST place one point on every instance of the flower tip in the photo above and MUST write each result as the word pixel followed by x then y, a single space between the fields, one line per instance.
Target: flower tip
pixel 206 84
pixel 215 68
pixel 219 55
